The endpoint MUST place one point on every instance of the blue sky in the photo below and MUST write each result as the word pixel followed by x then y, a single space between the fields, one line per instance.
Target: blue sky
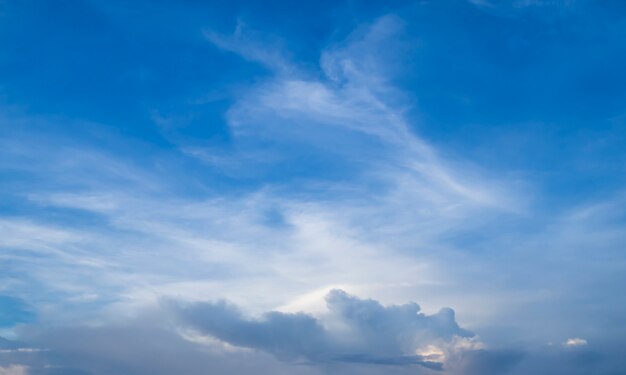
pixel 430 187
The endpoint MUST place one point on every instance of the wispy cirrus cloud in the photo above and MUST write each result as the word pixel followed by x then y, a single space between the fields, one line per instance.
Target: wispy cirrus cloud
pixel 353 107
pixel 402 180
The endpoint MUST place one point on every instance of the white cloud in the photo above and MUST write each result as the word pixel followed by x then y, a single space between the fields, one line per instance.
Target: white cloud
pixel 352 106
pixel 575 342
pixel 259 50
pixel 14 370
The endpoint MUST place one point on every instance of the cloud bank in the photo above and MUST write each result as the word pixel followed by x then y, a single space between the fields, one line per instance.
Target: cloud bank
pixel 353 330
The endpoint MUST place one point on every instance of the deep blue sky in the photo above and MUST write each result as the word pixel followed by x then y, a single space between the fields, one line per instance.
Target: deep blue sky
pixel 265 186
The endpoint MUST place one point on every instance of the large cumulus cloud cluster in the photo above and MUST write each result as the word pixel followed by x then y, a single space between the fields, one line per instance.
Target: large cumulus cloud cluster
pixel 354 330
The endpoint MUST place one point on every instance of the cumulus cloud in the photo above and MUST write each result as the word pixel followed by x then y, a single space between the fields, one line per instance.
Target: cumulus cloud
pixel 353 330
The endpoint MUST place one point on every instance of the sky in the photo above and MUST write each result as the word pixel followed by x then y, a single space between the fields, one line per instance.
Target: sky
pixel 328 187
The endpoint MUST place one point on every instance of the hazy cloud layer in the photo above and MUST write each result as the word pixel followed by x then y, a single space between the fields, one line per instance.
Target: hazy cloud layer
pixel 355 337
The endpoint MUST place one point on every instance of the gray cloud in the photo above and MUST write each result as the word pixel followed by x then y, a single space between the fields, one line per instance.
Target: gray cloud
pixel 485 362
pixel 356 336
pixel 148 344
pixel 354 330
pixel 7 344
